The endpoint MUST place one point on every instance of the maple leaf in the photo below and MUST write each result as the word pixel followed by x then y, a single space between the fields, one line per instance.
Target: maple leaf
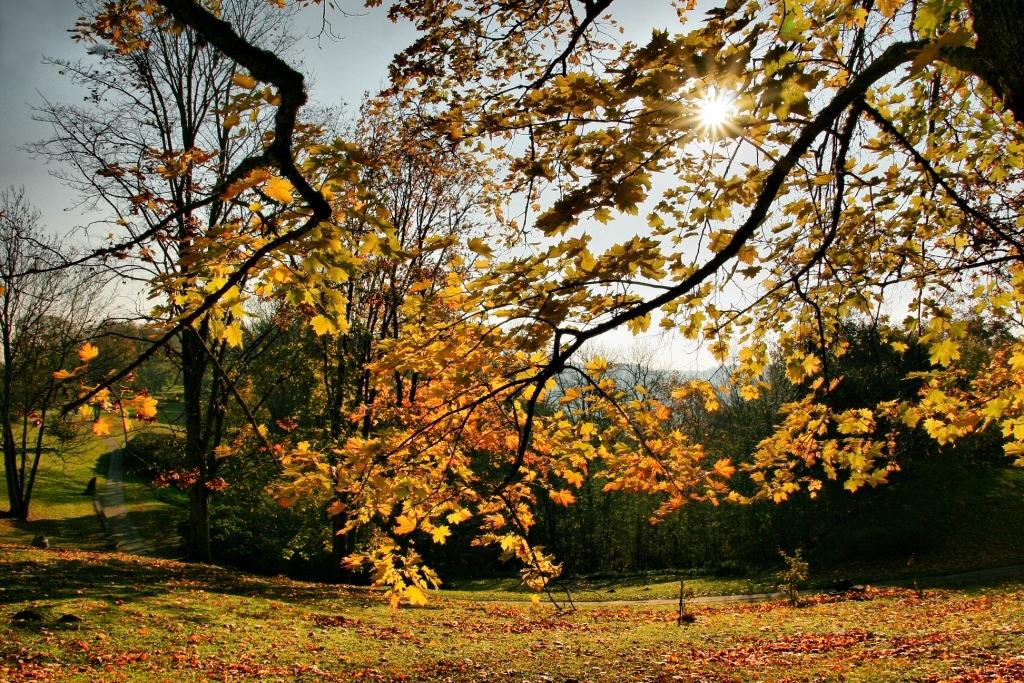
pixel 243 81
pixel 720 240
pixel 478 246
pixel 724 468
pixel 61 375
pixel 596 366
pixel 574 478
pixel 101 427
pixel 405 524
pixel 563 497
pixel 944 352
pixel 459 516
pixel 145 407
pixel 86 352
pixel 279 189
pixel 415 596
pixel 233 335
pixel 323 325
pixel 440 534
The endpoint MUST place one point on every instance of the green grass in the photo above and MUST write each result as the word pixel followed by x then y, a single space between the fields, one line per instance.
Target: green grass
pixel 59 510
pixel 145 619
pixel 651 586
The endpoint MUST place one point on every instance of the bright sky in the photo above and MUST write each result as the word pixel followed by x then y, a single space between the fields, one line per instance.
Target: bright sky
pixel 350 58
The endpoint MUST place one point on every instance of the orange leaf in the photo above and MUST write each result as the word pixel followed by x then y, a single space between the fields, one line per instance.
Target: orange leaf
pixel 145 407
pixel 279 189
pixel 101 427
pixel 563 497
pixel 87 352
pixel 724 468
pixel 244 81
pixel 405 524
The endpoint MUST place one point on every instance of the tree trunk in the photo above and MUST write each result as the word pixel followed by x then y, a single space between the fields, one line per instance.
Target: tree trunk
pixel 193 368
pixel 999 25
pixel 199 549
pixel 16 503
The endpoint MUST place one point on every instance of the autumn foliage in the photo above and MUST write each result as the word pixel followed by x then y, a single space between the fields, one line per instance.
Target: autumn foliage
pixel 867 167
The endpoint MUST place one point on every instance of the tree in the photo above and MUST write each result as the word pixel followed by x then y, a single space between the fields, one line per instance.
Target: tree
pixel 44 317
pixel 798 164
pixel 153 149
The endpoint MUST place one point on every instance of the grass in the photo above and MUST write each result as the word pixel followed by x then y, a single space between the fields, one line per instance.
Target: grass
pixel 59 509
pixel 145 619
pixel 65 515
pixel 650 586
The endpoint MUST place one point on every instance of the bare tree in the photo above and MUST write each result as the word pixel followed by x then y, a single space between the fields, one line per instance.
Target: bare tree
pixel 44 316
pixel 149 149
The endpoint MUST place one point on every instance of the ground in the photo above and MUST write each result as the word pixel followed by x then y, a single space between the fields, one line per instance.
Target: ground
pixel 150 619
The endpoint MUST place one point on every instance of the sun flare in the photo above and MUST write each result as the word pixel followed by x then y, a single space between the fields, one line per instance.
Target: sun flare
pixel 716 110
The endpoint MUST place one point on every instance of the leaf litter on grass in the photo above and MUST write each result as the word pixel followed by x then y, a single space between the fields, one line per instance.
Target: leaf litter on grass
pixel 146 620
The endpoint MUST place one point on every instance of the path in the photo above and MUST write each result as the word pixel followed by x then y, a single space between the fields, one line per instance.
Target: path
pixel 115 509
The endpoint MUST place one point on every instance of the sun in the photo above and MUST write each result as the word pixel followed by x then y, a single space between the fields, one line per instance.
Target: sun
pixel 716 110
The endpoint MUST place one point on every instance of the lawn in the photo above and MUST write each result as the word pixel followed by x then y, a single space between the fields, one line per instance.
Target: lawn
pixel 147 619
pixel 61 511
pixel 651 586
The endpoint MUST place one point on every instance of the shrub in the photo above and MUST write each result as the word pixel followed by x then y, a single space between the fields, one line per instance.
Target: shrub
pixel 793 575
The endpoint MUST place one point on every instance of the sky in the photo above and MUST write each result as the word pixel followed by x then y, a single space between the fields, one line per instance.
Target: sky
pixel 347 59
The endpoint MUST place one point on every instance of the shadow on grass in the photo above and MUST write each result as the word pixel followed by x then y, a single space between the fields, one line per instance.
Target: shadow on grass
pixel 102 465
pixel 84 532
pixel 60 575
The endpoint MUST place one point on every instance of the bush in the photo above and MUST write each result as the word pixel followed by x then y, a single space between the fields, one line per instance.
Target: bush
pixel 249 530
pixel 793 576
pixel 151 454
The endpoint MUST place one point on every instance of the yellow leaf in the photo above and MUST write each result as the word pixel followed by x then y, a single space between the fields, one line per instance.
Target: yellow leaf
pixel 244 81
pixel 145 407
pixel 322 325
pixel 720 240
pixel 477 245
pixel 459 516
pixel 535 599
pixel 440 534
pixel 749 392
pixel 405 524
pixel 415 596
pixel 574 478
pixel 370 244
pixel 944 352
pixel 87 352
pixel 279 189
pixel 233 335
pixel 596 366
pixel 747 254
pixel 812 364
pixel 61 375
pixel 101 427
pixel 231 120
